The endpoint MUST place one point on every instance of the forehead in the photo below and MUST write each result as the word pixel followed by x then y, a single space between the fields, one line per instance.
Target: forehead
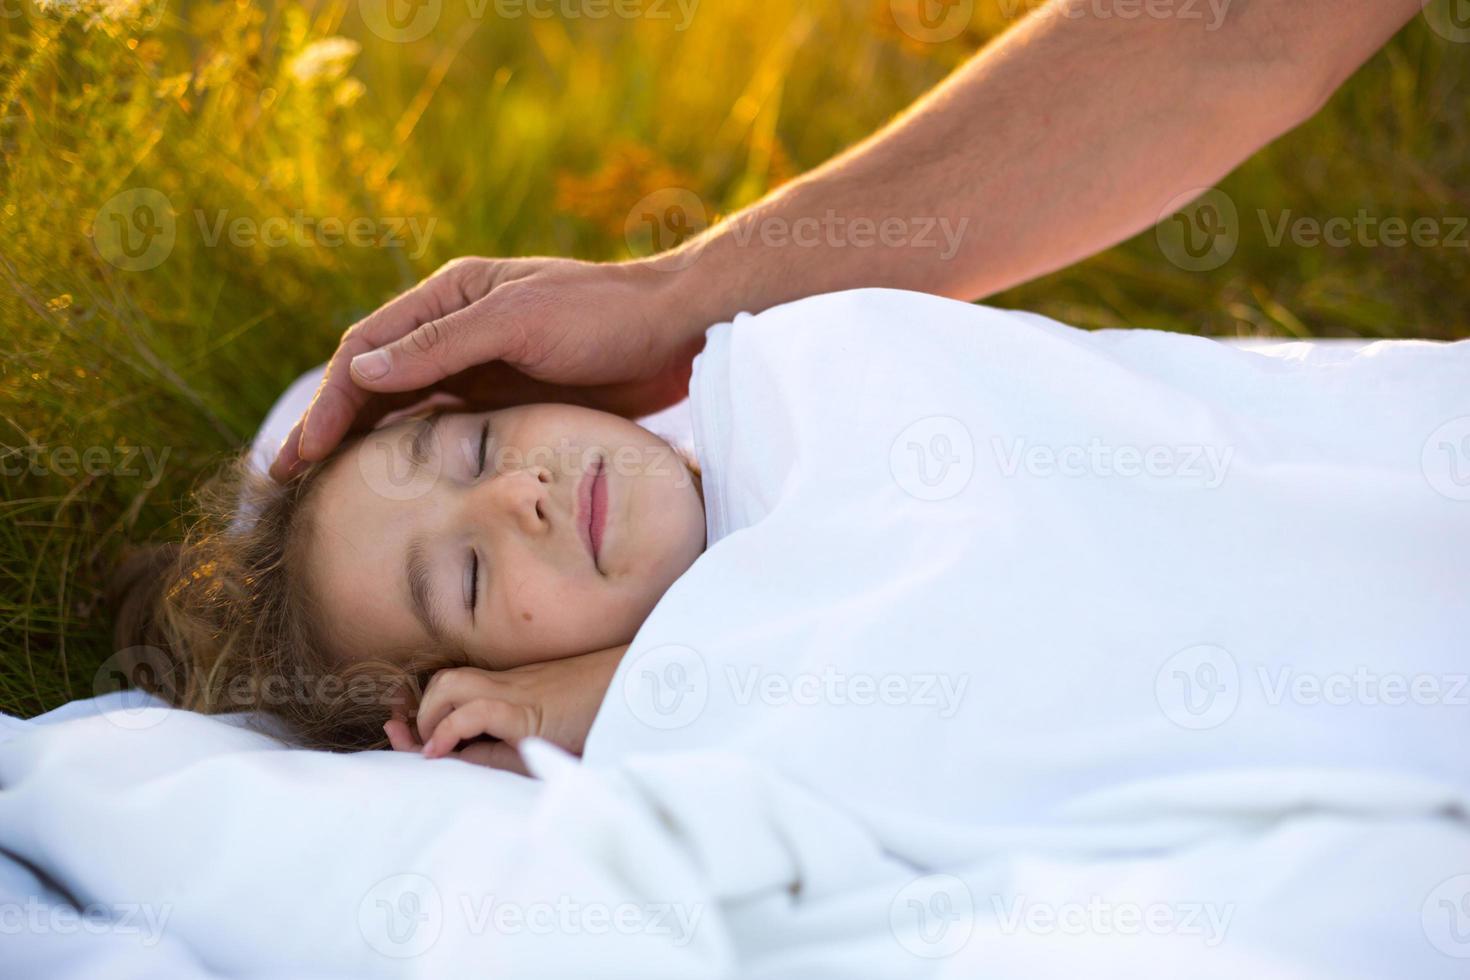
pixel 356 542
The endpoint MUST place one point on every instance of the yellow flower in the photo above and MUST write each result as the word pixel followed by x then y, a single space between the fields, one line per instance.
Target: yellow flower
pixel 348 91
pixel 324 61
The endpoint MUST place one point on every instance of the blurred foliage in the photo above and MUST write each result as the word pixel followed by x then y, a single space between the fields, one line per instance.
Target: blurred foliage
pixel 503 134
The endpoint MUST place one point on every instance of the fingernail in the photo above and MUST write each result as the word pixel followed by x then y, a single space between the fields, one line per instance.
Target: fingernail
pixel 302 442
pixel 371 366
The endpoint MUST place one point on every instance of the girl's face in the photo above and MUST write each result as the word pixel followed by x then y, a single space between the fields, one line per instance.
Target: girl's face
pixel 513 536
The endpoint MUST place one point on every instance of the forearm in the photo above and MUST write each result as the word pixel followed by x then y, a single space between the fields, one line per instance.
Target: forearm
pixel 1067 135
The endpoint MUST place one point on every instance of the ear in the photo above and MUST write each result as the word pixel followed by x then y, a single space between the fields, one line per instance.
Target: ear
pixel 438 401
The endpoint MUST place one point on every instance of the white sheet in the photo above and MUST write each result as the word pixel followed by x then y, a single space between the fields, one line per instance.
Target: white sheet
pixel 1056 822
pixel 1023 634
pixel 259 861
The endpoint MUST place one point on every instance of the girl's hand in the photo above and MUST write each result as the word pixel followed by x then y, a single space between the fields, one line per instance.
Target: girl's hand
pixel 556 700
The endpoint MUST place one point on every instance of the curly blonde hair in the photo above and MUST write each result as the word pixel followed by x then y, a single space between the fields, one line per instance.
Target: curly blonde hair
pixel 224 620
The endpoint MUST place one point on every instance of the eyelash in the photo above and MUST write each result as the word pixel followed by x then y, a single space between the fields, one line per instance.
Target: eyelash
pixel 474 596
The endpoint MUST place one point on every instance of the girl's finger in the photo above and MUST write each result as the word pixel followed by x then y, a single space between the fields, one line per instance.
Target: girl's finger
pixel 486 716
pixel 400 736
pixel 449 689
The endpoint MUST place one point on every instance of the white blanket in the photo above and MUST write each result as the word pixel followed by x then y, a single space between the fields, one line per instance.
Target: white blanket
pixel 983 577
pixel 198 849
pixel 923 708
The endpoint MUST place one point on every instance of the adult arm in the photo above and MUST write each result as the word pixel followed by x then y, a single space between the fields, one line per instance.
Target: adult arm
pixel 1066 135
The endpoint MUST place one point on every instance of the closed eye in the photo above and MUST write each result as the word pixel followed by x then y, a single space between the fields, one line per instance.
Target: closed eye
pixel 472 583
pixel 472 580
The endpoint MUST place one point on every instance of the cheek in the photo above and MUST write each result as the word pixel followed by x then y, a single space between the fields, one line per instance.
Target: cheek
pixel 675 533
pixel 545 610
pixel 531 601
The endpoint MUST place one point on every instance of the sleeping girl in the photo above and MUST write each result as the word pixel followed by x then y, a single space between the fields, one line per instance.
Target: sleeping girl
pixel 901 495
pixel 484 571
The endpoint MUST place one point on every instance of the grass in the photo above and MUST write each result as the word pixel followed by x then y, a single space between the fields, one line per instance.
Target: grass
pixel 505 136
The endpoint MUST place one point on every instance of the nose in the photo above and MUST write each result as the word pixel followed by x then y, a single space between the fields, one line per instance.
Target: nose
pixel 520 498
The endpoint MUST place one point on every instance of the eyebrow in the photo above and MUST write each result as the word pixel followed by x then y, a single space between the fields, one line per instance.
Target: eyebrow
pixel 416 571
pixel 423 438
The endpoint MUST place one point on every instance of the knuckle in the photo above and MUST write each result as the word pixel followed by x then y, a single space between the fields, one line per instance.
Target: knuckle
pixel 428 338
pixel 454 266
pixel 439 684
pixel 453 678
pixel 469 276
pixel 358 338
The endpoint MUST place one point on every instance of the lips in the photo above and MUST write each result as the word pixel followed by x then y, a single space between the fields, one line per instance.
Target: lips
pixel 592 510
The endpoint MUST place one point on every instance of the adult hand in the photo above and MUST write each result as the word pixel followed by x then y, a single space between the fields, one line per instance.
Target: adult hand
pixel 501 332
